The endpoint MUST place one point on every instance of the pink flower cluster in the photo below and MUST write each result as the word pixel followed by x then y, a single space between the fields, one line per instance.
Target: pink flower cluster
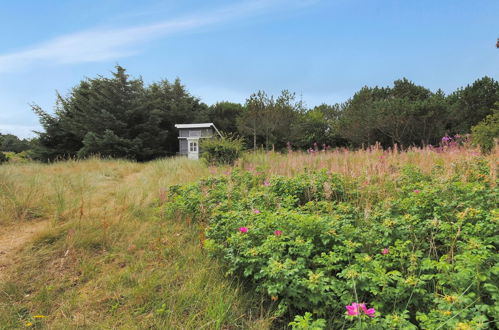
pixel 356 309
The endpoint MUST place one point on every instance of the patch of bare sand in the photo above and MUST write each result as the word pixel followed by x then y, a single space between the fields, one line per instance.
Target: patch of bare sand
pixel 13 238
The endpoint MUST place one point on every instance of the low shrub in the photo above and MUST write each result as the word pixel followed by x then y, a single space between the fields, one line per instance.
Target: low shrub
pixel 486 132
pixel 3 158
pixel 423 257
pixel 222 151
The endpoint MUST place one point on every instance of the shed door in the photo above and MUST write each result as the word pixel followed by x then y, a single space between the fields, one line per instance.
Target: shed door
pixel 193 149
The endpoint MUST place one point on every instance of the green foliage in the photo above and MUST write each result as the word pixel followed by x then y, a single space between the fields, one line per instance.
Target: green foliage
pixel 271 120
pixel 224 150
pixel 425 256
pixel 9 142
pixel 485 133
pixel 224 115
pixel 406 114
pixel 116 117
pixel 306 322
pixel 471 104
pixel 121 117
pixel 3 158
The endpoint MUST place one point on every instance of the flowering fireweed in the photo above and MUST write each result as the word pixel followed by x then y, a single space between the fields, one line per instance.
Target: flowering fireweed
pixel 319 246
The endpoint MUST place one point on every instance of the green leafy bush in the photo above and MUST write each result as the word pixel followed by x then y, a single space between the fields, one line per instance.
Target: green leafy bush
pixel 3 158
pixel 486 132
pixel 219 151
pixel 306 322
pixel 423 257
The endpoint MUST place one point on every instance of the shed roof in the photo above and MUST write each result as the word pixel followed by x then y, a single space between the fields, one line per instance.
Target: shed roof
pixel 201 125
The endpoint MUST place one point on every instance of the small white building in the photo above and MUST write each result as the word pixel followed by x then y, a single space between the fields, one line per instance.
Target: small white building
pixel 189 136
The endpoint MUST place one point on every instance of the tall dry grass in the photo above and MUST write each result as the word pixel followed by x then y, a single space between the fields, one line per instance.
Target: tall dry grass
pixel 369 163
pixel 106 260
pixel 377 169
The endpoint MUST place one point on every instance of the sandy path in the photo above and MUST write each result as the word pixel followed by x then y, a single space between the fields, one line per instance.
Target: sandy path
pixel 12 238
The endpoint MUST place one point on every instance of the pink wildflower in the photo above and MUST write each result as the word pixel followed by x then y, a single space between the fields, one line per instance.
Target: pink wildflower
pixel 256 211
pixel 266 183
pixel 243 229
pixel 352 309
pixel 417 191
pixel 368 311
pixel 385 251
pixel 278 233
pixel 356 309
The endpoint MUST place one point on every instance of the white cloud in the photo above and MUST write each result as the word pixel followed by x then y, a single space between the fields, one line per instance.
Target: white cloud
pixel 96 45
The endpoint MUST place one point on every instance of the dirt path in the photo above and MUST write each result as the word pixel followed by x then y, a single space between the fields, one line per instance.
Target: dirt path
pixel 13 238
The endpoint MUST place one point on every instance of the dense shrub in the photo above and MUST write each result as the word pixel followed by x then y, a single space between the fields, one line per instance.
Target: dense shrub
pixel 225 150
pixel 3 158
pixel 426 256
pixel 485 133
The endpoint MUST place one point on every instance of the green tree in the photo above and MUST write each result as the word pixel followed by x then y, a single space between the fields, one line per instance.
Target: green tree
pixel 487 131
pixel 405 114
pixel 224 115
pixel 168 104
pixel 358 121
pixel 319 125
pixel 472 104
pixel 116 117
pixel 249 123
pixel 9 142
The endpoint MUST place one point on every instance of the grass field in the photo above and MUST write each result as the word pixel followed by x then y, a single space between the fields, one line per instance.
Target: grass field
pixel 104 258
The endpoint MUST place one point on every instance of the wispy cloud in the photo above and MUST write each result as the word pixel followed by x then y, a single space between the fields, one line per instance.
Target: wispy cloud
pixel 112 43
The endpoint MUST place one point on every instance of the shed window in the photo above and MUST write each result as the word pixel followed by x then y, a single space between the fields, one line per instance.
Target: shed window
pixel 193 146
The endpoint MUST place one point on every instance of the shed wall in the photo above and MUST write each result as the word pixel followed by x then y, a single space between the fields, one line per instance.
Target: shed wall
pixel 182 146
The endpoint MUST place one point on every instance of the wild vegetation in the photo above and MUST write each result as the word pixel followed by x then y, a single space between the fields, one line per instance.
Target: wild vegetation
pixel 276 238
pixel 419 245
pixel 104 258
pixel 402 234
pixel 122 117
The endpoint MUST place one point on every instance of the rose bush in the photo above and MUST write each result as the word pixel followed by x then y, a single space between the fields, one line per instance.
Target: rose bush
pixel 423 256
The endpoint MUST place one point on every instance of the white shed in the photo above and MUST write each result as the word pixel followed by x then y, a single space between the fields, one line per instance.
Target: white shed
pixel 189 136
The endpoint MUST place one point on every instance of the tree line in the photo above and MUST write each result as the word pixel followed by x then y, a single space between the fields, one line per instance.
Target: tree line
pixel 120 116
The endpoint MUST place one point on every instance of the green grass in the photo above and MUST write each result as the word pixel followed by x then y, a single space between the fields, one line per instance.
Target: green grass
pixel 108 260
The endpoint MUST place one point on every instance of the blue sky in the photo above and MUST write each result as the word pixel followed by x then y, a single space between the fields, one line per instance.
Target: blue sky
pixel 226 50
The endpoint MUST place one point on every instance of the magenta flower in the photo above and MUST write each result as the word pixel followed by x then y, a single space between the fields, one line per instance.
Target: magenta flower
pixel 266 183
pixel 256 211
pixel 446 139
pixel 355 309
pixel 278 233
pixel 243 229
pixel 385 251
pixel 417 191
pixel 352 309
